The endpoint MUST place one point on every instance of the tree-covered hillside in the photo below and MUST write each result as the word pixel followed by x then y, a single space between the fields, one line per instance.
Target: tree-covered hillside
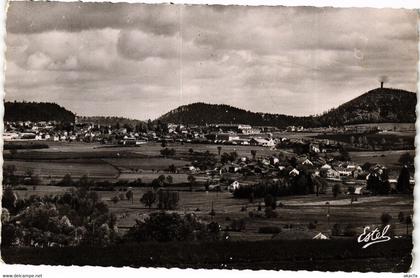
pixel 202 113
pixel 36 112
pixel 380 105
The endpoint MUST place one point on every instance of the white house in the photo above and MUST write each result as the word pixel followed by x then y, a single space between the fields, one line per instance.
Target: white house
pixel 332 174
pixel 315 148
pixel 326 166
pixel 294 173
pixel 344 171
pixel 233 186
pixel 8 136
pixel 359 190
pixel 262 142
pixel 320 236
pixel 307 162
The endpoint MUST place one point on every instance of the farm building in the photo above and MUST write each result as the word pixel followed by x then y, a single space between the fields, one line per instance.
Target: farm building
pixel 344 172
pixel 320 236
pixel 307 162
pixel 294 172
pixel 262 142
pixel 326 166
pixel 361 190
pixel 233 186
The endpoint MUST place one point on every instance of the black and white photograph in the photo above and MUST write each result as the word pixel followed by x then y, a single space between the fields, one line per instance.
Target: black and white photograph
pixel 198 136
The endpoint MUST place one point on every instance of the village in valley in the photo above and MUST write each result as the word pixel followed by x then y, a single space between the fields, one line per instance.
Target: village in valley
pixel 255 182
pixel 209 136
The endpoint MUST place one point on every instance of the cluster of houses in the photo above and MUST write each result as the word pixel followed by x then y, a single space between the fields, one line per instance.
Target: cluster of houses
pixel 83 132
pixel 28 130
pixel 91 132
pixel 247 172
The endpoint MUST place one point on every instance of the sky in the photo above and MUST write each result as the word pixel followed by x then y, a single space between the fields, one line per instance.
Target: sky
pixel 142 60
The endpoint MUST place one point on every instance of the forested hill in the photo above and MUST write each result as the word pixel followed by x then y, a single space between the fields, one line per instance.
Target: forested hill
pixel 381 105
pixel 376 106
pixel 36 112
pixel 202 113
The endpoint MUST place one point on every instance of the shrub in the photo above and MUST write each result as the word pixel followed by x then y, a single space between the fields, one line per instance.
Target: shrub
pixel 162 226
pixel 261 190
pixel 168 199
pixel 66 181
pixel 401 217
pixel 115 199
pixel 270 201
pixel 270 213
pixel 311 226
pixel 336 189
pixel 336 230
pixel 238 225
pixel 386 218
pixel 167 152
pixel 9 199
pixel 148 199
pixel 349 230
pixel 129 195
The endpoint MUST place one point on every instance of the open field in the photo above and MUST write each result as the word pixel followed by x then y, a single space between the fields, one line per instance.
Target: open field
pixel 145 162
pixel 387 140
pixel 151 149
pixel 56 169
pixel 296 210
pixel 386 158
pixel 98 162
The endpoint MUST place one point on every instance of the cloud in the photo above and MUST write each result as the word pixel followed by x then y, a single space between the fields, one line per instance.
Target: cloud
pixel 96 58
pixel 31 17
pixel 139 46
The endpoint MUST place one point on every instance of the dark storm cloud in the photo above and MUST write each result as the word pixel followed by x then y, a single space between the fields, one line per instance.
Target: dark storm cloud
pixel 99 57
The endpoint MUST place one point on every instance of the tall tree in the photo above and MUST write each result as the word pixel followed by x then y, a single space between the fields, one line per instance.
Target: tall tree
pixel 403 183
pixel 191 180
pixel 254 154
pixel 148 198
pixel 130 195
pixel 336 189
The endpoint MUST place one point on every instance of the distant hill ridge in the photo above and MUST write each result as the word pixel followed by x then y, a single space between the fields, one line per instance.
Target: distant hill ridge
pixel 379 105
pixel 36 112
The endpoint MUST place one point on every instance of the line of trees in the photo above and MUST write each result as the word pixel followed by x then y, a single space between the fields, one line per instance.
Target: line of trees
pixel 164 227
pixel 302 184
